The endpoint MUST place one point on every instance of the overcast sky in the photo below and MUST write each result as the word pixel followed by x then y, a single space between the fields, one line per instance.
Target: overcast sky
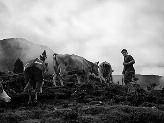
pixel 94 29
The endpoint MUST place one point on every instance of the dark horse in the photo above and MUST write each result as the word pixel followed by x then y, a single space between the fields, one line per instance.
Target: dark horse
pixel 34 72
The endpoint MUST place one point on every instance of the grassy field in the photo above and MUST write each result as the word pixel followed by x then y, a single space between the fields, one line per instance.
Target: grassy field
pixel 92 102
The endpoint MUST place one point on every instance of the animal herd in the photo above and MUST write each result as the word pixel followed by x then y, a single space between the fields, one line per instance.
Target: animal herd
pixel 65 65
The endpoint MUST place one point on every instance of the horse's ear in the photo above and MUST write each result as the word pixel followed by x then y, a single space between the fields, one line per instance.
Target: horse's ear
pixel 97 63
pixel 54 54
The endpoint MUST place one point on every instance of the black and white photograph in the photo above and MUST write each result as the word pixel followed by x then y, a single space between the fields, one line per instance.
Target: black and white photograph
pixel 81 61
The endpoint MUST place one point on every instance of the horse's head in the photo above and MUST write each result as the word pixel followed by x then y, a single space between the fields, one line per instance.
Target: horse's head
pixel 94 68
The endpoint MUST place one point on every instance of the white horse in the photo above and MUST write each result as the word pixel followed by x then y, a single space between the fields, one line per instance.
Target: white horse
pixel 3 95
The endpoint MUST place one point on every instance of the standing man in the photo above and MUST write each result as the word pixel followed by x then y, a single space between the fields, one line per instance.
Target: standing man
pixel 128 70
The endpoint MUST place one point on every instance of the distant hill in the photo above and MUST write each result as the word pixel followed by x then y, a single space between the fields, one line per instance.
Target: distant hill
pixel 144 80
pixel 13 48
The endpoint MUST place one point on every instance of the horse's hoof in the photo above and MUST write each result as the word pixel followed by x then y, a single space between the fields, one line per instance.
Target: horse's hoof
pixel 35 101
pixel 29 103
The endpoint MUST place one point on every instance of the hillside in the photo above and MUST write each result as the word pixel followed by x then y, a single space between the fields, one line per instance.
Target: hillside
pixel 13 48
pixel 144 80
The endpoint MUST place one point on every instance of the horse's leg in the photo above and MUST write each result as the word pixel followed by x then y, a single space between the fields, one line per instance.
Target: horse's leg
pixel 28 86
pixel 61 81
pixel 62 73
pixel 87 77
pixel 38 88
pixel 78 79
pixel 60 78
pixel 54 79
pixel 29 97
pixel 36 97
pixel 28 90
pixel 111 78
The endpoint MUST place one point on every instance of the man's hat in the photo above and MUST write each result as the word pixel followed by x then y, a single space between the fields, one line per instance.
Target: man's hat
pixel 123 50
